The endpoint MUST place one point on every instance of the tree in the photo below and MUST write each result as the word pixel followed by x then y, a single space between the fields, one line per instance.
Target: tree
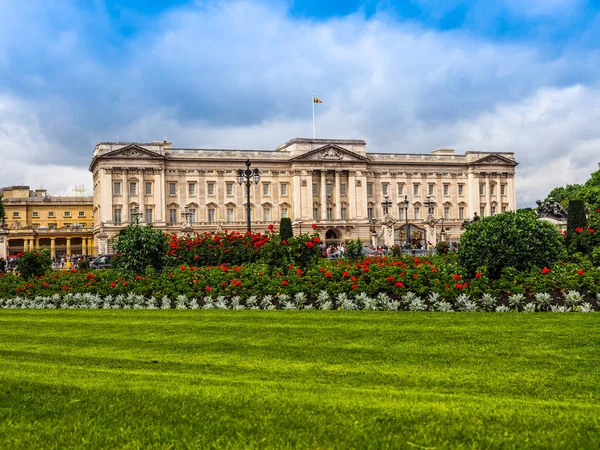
pixel 588 192
pixel 138 247
pixel 285 228
pixel 512 239
pixel 2 211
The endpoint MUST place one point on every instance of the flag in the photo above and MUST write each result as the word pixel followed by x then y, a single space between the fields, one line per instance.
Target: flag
pixel 316 100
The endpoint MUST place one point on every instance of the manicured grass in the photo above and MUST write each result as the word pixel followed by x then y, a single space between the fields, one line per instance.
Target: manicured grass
pixel 298 379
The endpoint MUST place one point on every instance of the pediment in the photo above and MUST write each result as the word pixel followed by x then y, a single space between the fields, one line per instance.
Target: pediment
pixel 132 151
pixel 330 153
pixel 494 159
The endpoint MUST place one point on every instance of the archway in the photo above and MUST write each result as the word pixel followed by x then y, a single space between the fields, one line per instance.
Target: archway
pixel 333 236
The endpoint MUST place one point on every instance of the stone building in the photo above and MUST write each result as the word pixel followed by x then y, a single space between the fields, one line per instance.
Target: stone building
pixel 36 220
pixel 348 192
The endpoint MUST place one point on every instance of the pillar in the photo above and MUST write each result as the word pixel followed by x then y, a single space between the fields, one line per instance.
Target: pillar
pixel 297 199
pixel 69 246
pixel 323 195
pixel 125 211
pixel 37 243
pixel 472 194
pixel 488 197
pixel 338 196
pixel 351 192
pixel 84 246
pixel 53 247
pixel 141 196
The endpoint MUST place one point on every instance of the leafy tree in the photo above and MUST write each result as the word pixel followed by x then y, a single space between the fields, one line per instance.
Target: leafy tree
pixel 576 218
pixel 589 192
pixel 562 195
pixel 2 211
pixel 354 249
pixel 512 239
pixel 34 264
pixel 138 247
pixel 285 228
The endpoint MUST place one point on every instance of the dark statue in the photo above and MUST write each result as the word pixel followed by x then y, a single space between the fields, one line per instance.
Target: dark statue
pixel 468 222
pixel 551 210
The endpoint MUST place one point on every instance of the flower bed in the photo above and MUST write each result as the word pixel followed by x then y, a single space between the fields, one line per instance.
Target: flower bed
pixel 434 283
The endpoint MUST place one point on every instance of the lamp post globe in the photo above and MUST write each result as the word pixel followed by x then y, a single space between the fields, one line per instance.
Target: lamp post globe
pixel 246 177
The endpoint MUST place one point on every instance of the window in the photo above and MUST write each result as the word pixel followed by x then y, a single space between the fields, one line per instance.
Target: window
pixel 315 213
pixel 211 215
pixel 229 189
pixel 329 189
pixel 461 188
pixel 481 188
pixel 400 188
pixel 148 215
pixel 67 214
pixel 343 189
pixel 329 213
pixel 210 171
pixel 211 188
pixel 15 213
pixel 172 189
pixel 446 212
pixel 446 190
pixel 117 216
pixel 148 188
pixel 482 211
pixel 50 214
pixel 461 212
pixel 384 188
pixel 430 189
pixel 416 188
pixel 67 224
pixel 266 188
pixel 193 215
pixel 117 188
pixel 192 189
pixel 267 214
pixel 283 189
pixel 315 189
pixel 81 214
pixel 132 188
pixel 369 213
pixel 172 215
pixel 229 214
pixel 284 212
pixel 343 213
pixel 35 214
pixel 492 189
pixel 51 226
pixel 401 212
pixel 502 189
pixel 417 212
pixel 493 211
pixel 369 188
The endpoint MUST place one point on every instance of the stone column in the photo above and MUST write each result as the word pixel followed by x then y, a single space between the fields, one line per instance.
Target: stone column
pixel 351 192
pixel 84 246
pixel 125 211
pixel 53 247
pixel 472 194
pixel 297 195
pixel 323 195
pixel 69 246
pixel 488 197
pixel 160 196
pixel 510 194
pixel 141 196
pixel 361 193
pixel 37 243
pixel 338 196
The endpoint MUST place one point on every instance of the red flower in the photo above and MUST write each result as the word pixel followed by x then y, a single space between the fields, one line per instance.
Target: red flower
pixel 390 279
pixel 65 287
pixel 399 284
pixel 299 271
pixel 196 256
pixel 545 270
pixel 415 275
pixel 138 278
pixel 87 284
pixel 322 269
pixel 316 240
pixel 208 288
pixel 354 286
pixel 284 242
pixel 365 269
pixel 314 226
pixel 580 272
pixel 309 244
pixel 578 230
pixel 284 283
pixel 457 277
pixel 434 269
pixel 170 274
pixel 112 285
pixel 260 274
pixel 125 283
pixel 346 273
pixel 591 230
pixel 270 227
pixel 459 286
pixel 353 279
pixel 328 275
pixel 477 275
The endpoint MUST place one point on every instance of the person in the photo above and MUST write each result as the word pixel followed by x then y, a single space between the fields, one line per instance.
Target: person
pixel 2 265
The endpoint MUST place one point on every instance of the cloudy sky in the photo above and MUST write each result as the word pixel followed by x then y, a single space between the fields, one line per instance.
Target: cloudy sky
pixel 406 76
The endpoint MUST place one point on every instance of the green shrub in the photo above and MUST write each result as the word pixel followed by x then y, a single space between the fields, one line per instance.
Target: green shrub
pixel 285 228
pixel 138 247
pixel 354 249
pixel 512 239
pixel 575 221
pixel 442 248
pixel 34 264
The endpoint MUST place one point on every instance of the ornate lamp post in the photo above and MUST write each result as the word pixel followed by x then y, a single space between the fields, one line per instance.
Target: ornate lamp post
pixel 246 176
pixel 443 232
pixel 407 244
pixel 300 226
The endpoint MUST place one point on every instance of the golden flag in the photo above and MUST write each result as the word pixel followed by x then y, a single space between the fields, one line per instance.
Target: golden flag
pixel 316 100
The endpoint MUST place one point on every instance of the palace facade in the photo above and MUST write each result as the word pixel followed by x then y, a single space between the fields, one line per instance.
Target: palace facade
pixel 36 220
pixel 347 192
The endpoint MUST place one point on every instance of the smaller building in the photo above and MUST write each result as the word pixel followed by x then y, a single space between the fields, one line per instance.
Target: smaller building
pixel 36 220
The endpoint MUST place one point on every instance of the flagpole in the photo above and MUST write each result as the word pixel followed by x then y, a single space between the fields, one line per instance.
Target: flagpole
pixel 313 106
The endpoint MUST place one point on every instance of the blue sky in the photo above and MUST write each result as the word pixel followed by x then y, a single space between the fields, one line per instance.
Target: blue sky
pixel 406 76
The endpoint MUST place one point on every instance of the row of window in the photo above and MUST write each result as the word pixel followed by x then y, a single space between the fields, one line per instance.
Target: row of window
pixel 51 215
pixel 191 187
pixel 210 215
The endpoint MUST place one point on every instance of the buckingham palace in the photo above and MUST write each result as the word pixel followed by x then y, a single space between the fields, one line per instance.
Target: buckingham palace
pixel 338 185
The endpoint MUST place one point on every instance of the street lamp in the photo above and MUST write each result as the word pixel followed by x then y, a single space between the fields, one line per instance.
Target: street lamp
pixel 246 176
pixel 386 203
pixel 300 226
pixel 407 228
pixel 443 232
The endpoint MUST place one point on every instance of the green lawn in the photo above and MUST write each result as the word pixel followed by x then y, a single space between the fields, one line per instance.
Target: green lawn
pixel 298 379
